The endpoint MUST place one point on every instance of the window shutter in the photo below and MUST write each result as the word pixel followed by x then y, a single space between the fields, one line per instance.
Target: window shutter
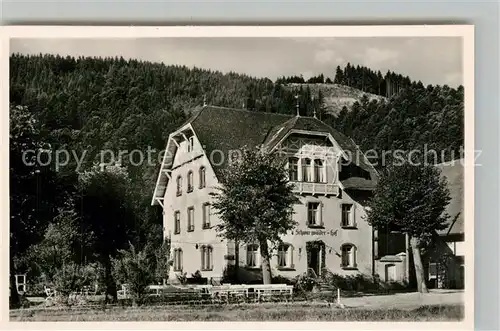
pixel 353 215
pixel 202 251
pixel 354 253
pixel 341 215
pixel 257 258
pixel 321 213
pixel 211 257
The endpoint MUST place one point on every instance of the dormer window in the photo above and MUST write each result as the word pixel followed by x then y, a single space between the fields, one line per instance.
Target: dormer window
pixel 319 171
pixel 190 145
pixel 293 169
pixel 306 170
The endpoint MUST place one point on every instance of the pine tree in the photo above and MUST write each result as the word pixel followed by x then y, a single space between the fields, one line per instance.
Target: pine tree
pixel 339 77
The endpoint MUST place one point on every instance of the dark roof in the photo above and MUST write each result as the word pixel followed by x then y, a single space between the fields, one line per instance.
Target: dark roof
pixel 221 130
pixel 454 173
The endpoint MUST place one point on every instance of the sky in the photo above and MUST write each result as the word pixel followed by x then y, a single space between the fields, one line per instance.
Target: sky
pixel 432 60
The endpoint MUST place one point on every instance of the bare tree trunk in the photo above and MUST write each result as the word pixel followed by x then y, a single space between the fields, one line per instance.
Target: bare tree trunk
pixel 236 261
pixel 419 268
pixel 266 265
pixel 111 294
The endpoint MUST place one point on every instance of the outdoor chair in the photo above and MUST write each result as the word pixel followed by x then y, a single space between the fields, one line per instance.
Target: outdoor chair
pixel 50 293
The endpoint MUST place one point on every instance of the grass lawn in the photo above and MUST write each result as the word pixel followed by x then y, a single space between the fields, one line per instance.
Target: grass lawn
pixel 261 312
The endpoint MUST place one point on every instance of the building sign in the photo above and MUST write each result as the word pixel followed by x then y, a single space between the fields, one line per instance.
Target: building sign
pixel 315 232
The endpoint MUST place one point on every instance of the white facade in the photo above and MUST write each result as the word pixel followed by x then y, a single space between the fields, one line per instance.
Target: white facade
pixel 326 215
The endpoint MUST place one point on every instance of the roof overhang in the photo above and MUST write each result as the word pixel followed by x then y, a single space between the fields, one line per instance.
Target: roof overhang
pixel 164 174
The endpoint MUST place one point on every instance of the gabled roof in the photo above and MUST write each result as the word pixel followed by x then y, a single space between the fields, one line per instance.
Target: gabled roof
pixel 454 173
pixel 221 130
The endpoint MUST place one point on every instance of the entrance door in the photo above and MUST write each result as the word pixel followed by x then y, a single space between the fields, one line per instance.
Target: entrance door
pixel 313 259
pixel 315 256
pixel 390 273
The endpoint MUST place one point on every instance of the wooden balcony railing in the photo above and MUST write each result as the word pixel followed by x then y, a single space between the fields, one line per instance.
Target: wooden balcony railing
pixel 316 188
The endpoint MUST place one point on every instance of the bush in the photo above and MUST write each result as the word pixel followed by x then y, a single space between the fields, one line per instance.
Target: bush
pixel 197 279
pixel 73 277
pixel 36 286
pixel 182 278
pixel 136 269
pixel 163 261
pixel 283 280
pixel 305 283
pixel 357 283
pixel 229 274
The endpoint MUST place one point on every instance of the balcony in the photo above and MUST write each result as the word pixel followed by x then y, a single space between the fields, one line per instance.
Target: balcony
pixel 316 188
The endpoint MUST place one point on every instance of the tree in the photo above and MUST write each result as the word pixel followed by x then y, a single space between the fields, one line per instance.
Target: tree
pixel 255 203
pixel 339 76
pixel 412 198
pixel 64 242
pixel 163 261
pixel 33 193
pixel 107 211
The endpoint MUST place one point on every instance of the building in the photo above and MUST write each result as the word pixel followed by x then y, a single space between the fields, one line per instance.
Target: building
pixel 332 179
pixel 446 265
pixel 444 261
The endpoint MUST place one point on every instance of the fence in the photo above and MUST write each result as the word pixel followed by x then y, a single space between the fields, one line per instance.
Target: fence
pixel 208 294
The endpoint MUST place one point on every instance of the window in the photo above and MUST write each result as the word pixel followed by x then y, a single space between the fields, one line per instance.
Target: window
pixel 190 219
pixel 252 255
pixel 306 170
pixel 206 258
pixel 293 169
pixel 178 259
pixel 190 145
pixel 206 215
pixel 285 256
pixel 313 214
pixel 347 215
pixel 319 171
pixel 202 177
pixel 348 256
pixel 179 185
pixel 433 270
pixel 190 181
pixel 177 222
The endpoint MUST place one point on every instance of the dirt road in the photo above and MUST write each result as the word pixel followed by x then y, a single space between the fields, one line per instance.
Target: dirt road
pixel 406 300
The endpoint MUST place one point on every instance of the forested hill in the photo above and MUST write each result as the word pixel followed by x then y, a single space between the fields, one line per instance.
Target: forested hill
pixel 94 104
pixel 335 96
pixel 117 104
